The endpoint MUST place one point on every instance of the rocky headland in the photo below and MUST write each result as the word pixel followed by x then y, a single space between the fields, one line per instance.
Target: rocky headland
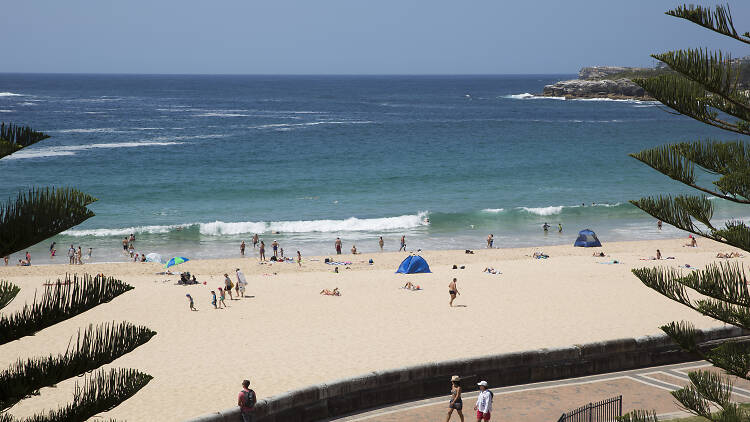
pixel 602 82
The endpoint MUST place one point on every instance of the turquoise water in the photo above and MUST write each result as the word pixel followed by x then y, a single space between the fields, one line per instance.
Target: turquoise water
pixel 194 164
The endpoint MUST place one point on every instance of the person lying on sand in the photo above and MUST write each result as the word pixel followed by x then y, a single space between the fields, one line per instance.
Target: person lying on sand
pixel 334 292
pixel 540 255
pixel 411 286
pixel 692 243
pixel 599 254
pixel 729 255
pixel 489 270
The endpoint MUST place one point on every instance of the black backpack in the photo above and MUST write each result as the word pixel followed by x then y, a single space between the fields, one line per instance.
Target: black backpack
pixel 250 399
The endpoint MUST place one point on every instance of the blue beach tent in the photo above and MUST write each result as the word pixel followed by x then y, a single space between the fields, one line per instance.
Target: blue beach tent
pixel 413 264
pixel 587 239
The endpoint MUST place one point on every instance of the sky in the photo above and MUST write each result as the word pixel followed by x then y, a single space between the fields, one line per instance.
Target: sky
pixel 346 36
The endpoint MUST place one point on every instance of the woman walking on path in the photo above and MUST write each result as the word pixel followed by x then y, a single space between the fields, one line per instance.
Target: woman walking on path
pixel 456 402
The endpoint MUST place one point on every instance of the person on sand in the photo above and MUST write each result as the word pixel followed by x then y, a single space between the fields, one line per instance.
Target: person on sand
pixel 658 254
pixel 221 298
pixel 380 243
pixel 255 240
pixel 337 245
pixel 246 401
pixel 79 255
pixel 693 243
pixel 28 257
pixel 456 403
pixel 453 291
pixel 354 249
pixel 228 285
pixel 334 292
pixel 242 248
pixel 241 283
pixel 262 251
pixel 490 240
pixel 299 259
pixel 484 402
pixel 213 299
pixel 192 304
pixel 72 254
pixel 403 243
pixel 411 286
pixel 275 248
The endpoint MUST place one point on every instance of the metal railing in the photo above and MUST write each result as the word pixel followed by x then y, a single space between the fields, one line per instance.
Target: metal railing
pixel 601 411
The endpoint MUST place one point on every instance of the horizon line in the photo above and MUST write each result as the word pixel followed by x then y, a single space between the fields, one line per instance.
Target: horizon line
pixel 283 74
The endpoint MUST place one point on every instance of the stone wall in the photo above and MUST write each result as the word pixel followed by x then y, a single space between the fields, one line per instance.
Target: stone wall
pixel 379 388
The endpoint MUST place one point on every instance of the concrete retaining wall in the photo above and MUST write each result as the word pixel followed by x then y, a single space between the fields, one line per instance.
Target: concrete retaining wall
pixel 379 388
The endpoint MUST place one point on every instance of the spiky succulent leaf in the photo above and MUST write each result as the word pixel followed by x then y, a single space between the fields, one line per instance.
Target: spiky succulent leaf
pixel 690 399
pixel 639 416
pixel 13 138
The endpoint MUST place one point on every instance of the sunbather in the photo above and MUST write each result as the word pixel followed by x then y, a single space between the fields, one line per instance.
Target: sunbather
pixel 334 292
pixel 411 286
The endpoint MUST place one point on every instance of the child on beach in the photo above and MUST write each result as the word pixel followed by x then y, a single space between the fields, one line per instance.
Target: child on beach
pixel 221 298
pixel 192 304
pixel 213 299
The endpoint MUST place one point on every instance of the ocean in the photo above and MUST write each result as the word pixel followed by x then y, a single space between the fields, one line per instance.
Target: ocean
pixel 193 165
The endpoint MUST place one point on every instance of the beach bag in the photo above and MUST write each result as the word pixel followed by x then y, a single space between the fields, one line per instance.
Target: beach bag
pixel 250 399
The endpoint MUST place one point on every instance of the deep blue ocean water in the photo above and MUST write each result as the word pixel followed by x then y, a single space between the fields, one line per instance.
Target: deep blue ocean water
pixel 194 164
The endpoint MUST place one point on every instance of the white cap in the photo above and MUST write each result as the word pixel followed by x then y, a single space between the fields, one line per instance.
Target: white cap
pixel 482 383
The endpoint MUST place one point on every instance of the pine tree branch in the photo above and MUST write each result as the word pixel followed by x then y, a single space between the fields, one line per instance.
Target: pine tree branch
pixel 720 20
pixel 713 387
pixel 672 211
pixel 731 356
pixel 93 348
pixel 665 282
pixel 690 399
pixel 713 73
pixel 39 214
pixel 13 138
pixel 635 416
pixel 8 292
pixel 66 299
pixel 735 233
pixel 101 392
pixel 726 282
pixel 689 98
pixel 673 161
pixel 739 316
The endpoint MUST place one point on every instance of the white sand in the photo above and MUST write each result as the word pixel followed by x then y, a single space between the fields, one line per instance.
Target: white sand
pixel 288 336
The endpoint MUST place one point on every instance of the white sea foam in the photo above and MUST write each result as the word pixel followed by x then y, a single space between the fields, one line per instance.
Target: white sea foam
pixel 10 94
pixel 544 210
pixel 290 126
pixel 90 130
pixel 7 111
pixel 94 112
pixel 27 103
pixel 121 232
pixel 72 149
pixel 527 96
pixel 350 224
pixel 629 101
pixel 213 114
pixel 186 137
pixel 493 210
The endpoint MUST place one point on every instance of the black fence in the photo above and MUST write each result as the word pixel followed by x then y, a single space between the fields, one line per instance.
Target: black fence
pixel 601 411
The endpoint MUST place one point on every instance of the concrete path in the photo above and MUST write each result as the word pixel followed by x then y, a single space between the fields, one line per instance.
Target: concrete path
pixel 646 388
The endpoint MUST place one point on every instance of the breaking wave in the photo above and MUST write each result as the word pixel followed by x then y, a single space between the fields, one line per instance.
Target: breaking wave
pixel 72 149
pixel 527 96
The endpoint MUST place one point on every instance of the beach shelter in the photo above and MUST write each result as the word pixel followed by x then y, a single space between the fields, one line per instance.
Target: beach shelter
pixel 176 261
pixel 154 257
pixel 413 264
pixel 587 239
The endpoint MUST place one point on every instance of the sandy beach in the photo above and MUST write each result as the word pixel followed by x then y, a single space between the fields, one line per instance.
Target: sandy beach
pixel 287 336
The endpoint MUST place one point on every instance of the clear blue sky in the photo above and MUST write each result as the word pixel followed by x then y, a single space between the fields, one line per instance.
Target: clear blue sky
pixel 344 36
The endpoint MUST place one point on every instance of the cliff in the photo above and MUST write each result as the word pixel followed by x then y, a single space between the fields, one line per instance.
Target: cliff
pixel 603 82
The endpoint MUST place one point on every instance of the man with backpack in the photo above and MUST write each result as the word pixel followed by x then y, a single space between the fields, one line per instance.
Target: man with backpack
pixel 484 402
pixel 246 401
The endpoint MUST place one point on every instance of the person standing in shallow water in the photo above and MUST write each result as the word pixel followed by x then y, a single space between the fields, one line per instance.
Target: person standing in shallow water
pixel 380 242
pixel 337 244
pixel 255 240
pixel 456 402
pixel 403 244
pixel 242 248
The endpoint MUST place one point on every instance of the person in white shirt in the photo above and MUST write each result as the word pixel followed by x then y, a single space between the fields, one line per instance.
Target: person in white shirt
pixel 241 282
pixel 484 402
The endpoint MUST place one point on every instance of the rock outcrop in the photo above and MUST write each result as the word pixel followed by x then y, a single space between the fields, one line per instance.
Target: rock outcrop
pixel 578 88
pixel 602 72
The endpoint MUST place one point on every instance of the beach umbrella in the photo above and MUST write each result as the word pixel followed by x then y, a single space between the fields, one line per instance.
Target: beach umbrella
pixel 176 261
pixel 154 257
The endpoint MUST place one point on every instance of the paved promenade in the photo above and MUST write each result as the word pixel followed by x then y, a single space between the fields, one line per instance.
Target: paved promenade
pixel 646 388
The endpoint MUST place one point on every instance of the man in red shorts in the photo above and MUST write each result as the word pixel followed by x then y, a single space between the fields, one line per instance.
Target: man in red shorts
pixel 484 402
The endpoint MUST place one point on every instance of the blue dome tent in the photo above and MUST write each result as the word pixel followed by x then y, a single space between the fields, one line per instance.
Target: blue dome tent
pixel 587 239
pixel 413 264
